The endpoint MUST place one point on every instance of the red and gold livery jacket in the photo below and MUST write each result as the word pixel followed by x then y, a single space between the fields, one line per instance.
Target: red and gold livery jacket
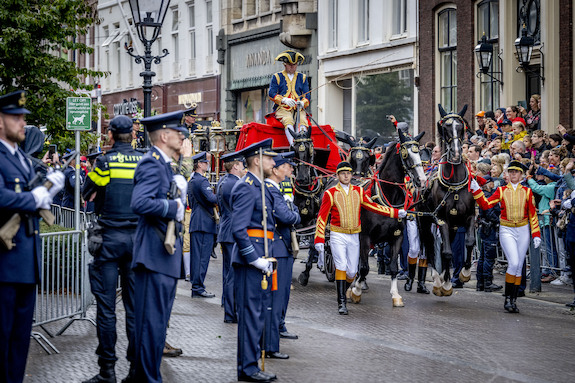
pixel 281 86
pixel 345 211
pixel 517 206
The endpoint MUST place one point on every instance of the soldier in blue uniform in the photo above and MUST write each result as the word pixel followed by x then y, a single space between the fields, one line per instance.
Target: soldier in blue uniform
pixel 289 89
pixel 156 270
pixel 19 266
pixel 233 163
pixel 286 215
pixel 248 257
pixel 70 174
pixel 190 116
pixel 203 228
pixel 110 185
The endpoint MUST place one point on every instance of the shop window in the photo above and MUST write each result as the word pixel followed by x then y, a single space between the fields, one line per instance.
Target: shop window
pixel 363 21
pixel 379 95
pixel 488 24
pixel 447 46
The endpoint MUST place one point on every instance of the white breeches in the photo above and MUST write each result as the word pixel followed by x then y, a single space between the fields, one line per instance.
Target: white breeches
pixel 515 243
pixel 345 251
pixel 413 239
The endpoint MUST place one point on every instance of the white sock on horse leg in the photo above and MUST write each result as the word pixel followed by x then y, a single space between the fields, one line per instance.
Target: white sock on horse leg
pixel 288 134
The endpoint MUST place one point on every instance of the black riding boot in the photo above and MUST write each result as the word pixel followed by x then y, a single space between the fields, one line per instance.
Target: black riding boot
pixel 421 274
pixel 410 276
pixel 341 299
pixel 513 300
pixel 508 292
pixel 106 375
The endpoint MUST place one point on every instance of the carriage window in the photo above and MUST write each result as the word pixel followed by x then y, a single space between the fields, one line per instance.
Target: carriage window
pixel 447 46
pixel 379 95
pixel 488 23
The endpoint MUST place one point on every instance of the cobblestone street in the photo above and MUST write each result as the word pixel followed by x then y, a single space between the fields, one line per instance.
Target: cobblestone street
pixel 466 337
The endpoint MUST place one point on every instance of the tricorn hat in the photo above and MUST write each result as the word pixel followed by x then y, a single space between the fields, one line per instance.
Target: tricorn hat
pixel 290 57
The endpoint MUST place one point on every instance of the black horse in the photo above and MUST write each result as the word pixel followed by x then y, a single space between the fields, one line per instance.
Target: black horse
pixel 401 159
pixel 449 203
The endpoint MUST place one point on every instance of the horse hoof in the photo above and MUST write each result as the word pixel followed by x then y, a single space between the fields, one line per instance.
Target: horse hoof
pixel 397 302
pixel 465 275
pixel 355 295
pixel 437 291
pixel 364 286
pixel 445 292
pixel 303 279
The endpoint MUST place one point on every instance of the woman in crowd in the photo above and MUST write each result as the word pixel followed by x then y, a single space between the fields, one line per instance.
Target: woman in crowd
pixel 518 223
pixel 533 117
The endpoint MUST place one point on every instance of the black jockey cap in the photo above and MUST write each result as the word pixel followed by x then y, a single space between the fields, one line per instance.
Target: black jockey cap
pixel 14 103
pixel 343 166
pixel 284 158
pixel 265 147
pixel 200 157
pixel 68 155
pixel 516 165
pixel 233 156
pixel 191 111
pixel 290 57
pixel 121 124
pixel 172 120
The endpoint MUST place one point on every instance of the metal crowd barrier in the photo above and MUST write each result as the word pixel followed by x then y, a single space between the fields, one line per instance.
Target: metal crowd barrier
pixel 66 217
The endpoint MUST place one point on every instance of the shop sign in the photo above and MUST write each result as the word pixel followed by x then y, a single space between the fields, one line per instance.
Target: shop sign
pixel 127 107
pixel 190 98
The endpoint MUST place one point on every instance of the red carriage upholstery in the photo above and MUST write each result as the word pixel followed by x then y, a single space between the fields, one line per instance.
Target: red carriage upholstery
pixel 254 132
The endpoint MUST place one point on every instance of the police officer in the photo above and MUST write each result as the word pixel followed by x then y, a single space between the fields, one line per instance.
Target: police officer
pixel 203 227
pixel 233 163
pixel 248 257
pixel 110 185
pixel 70 174
pixel 156 270
pixel 20 266
pixel 285 216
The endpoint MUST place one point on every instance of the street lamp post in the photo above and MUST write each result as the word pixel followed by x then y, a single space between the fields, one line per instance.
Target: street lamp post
pixel 484 54
pixel 524 47
pixel 148 17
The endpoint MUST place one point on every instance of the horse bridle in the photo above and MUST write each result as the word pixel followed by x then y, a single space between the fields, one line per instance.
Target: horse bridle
pixel 301 145
pixel 450 140
pixel 404 153
pixel 360 155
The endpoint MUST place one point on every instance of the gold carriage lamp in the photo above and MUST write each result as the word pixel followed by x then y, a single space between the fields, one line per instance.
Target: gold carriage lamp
pixel 231 135
pixel 199 137
pixel 217 140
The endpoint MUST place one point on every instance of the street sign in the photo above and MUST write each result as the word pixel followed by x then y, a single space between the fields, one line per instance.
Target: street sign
pixel 78 113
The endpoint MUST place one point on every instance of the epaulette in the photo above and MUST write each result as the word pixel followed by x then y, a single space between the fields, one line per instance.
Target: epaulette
pixel 249 181
pixel 269 185
pixel 156 156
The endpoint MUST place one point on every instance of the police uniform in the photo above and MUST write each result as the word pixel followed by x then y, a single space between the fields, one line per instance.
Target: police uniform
pixel 69 188
pixel 285 216
pixel 20 267
pixel 203 228
pixel 112 181
pixel 248 233
pixel 295 88
pixel 226 239
pixel 156 271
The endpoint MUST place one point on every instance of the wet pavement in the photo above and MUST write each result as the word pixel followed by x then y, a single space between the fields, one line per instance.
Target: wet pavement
pixel 467 337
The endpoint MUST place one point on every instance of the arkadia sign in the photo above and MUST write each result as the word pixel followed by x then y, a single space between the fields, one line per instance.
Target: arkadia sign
pixel 127 107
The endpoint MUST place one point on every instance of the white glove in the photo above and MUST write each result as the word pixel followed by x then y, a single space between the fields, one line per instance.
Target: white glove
pixel 182 184
pixel 263 264
pixel 300 104
pixel 180 212
pixel 567 204
pixel 42 197
pixel 474 186
pixel 321 260
pixel 320 247
pixel 57 179
pixel 288 197
pixel 288 101
pixel 536 242
pixel 402 213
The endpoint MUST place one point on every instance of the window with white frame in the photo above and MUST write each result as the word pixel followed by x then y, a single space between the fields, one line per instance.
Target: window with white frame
pixel 488 24
pixel 332 24
pixel 175 39
pixel 209 27
pixel 237 9
pixel 399 23
pixel 192 28
pixel 264 6
pixel 363 21
pixel 251 7
pixel 447 47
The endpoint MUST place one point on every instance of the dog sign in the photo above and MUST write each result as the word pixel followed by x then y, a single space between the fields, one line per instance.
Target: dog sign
pixel 78 113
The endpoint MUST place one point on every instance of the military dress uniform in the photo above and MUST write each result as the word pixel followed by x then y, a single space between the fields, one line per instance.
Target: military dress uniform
pixel 20 267
pixel 203 228
pixel 156 271
pixel 285 217
pixel 112 181
pixel 248 233
pixel 226 239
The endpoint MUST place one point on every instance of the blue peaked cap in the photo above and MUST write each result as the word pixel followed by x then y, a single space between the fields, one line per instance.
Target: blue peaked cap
pixel 265 147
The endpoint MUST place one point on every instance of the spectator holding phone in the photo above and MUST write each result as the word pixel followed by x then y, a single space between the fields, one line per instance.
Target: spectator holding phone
pixel 533 117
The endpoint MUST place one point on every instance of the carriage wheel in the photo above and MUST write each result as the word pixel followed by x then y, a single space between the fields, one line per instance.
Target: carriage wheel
pixel 329 265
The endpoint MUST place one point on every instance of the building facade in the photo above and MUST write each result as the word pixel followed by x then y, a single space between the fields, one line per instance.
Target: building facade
pixel 367 65
pixel 448 69
pixel 188 74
